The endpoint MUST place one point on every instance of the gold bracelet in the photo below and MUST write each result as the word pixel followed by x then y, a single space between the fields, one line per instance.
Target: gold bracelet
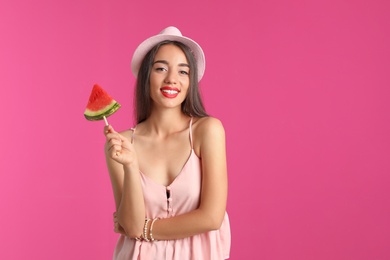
pixel 145 234
pixel 151 230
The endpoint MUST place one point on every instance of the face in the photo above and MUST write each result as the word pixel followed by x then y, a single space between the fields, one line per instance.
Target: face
pixel 169 77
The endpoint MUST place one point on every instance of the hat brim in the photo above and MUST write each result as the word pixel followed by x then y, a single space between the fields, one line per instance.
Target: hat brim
pixel 149 43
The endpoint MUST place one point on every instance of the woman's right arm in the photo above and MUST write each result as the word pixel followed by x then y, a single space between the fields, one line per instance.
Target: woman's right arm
pixel 123 167
pixel 116 176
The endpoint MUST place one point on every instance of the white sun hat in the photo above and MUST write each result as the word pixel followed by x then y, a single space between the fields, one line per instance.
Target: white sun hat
pixel 173 34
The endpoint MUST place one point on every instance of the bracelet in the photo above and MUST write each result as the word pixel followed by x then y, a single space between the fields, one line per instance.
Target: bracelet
pixel 145 234
pixel 151 230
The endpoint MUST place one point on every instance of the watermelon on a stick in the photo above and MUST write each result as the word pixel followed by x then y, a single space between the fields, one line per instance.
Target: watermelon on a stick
pixel 100 105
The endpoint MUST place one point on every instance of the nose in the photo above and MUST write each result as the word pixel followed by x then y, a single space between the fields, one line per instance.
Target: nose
pixel 170 77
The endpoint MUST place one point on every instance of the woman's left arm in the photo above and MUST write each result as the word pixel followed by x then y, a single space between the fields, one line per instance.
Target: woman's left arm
pixel 210 146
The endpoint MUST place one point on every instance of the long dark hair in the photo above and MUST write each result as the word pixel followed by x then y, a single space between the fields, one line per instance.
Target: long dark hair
pixel 191 106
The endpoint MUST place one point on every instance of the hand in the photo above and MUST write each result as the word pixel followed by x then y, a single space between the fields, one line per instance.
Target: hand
pixel 118 228
pixel 119 148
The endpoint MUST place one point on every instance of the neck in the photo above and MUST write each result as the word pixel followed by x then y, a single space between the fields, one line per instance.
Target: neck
pixel 167 121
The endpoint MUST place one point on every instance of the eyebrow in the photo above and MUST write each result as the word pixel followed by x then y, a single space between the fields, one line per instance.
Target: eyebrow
pixel 166 63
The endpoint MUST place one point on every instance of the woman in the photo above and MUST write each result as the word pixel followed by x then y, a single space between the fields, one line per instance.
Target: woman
pixel 169 173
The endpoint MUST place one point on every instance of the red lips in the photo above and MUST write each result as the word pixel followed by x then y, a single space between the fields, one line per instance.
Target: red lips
pixel 170 92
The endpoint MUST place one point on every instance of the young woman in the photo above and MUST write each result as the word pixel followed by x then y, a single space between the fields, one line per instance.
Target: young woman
pixel 168 173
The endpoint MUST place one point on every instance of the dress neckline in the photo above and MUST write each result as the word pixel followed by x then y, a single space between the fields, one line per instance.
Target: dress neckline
pixel 185 164
pixel 192 154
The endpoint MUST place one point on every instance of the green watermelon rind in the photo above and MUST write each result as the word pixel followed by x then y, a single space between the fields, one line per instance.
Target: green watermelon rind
pixel 98 115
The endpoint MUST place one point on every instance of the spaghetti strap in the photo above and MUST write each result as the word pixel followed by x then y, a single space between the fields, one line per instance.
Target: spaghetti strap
pixel 133 133
pixel 192 145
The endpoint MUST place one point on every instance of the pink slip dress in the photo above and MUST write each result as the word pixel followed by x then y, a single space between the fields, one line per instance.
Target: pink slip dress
pixel 181 196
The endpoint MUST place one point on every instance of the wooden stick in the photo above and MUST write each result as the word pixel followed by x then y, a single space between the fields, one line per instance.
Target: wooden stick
pixel 105 120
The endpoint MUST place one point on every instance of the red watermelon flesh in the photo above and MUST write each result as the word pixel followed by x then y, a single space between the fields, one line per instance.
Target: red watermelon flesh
pixel 100 104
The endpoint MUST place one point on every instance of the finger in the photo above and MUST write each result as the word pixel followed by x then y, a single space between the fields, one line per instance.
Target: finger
pixel 114 141
pixel 113 147
pixel 108 129
pixel 113 144
pixel 116 152
pixel 113 136
pixel 122 138
pixel 116 155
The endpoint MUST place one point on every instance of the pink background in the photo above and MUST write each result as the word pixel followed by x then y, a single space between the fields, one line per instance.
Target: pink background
pixel 302 88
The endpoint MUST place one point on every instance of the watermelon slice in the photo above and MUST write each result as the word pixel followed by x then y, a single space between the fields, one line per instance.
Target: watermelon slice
pixel 100 105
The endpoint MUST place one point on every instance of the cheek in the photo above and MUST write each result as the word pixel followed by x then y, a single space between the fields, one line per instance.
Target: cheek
pixel 185 91
pixel 153 81
pixel 185 83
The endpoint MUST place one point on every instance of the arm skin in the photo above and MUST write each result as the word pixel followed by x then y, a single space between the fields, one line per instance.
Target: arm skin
pixel 123 168
pixel 209 137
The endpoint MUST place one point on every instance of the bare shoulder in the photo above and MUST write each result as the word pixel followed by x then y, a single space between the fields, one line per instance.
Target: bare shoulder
pixel 208 131
pixel 206 124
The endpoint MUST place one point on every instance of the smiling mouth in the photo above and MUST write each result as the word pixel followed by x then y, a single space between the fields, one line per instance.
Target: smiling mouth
pixel 170 92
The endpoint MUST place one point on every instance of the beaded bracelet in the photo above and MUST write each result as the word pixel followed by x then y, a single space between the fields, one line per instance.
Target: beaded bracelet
pixel 145 234
pixel 151 230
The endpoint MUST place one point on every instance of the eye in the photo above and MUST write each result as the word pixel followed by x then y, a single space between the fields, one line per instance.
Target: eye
pixel 183 72
pixel 160 69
